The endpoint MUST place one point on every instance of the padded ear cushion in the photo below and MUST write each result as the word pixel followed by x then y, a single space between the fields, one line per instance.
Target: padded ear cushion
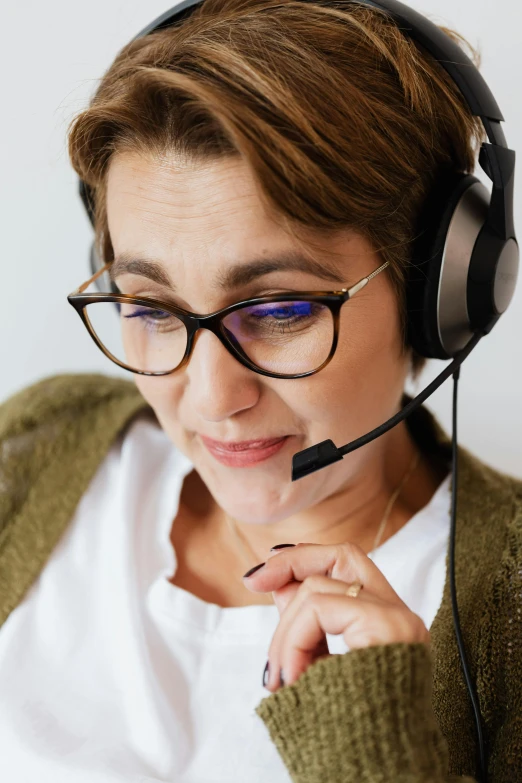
pixel 424 273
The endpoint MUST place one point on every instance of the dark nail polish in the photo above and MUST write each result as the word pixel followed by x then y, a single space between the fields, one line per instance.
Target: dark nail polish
pixel 280 546
pixel 265 674
pixel 252 570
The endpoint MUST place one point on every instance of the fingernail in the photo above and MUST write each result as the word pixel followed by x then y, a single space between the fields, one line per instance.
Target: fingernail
pixel 280 546
pixel 266 674
pixel 255 568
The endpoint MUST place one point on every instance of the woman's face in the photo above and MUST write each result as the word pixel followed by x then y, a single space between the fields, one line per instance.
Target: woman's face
pixel 199 221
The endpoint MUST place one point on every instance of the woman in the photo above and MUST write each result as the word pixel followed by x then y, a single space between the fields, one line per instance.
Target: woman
pixel 263 149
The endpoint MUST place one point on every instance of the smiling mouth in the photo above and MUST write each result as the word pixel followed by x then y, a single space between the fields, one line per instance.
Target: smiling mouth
pixel 255 452
pixel 244 445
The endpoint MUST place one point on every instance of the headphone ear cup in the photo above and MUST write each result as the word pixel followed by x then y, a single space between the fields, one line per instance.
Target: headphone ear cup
pixel 436 285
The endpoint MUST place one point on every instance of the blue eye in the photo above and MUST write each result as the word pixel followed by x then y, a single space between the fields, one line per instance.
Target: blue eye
pixel 275 319
pixel 148 312
pixel 282 311
pixel 152 320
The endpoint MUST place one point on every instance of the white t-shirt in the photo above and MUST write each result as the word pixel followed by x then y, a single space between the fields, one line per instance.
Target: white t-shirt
pixel 110 673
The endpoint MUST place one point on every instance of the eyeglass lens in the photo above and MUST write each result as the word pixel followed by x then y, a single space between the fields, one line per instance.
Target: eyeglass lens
pixel 290 337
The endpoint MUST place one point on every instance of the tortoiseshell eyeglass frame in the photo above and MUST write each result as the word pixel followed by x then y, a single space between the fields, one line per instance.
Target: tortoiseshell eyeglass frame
pixel 212 321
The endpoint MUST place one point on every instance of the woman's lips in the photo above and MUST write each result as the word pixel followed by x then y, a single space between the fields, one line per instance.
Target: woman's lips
pixel 246 453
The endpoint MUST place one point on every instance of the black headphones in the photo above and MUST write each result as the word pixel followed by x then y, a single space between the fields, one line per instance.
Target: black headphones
pixel 464 264
pixel 465 259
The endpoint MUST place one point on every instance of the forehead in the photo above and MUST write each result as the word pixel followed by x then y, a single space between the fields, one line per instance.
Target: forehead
pixel 179 196
pixel 206 216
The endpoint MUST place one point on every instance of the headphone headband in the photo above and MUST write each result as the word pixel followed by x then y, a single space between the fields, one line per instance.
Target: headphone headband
pixel 462 70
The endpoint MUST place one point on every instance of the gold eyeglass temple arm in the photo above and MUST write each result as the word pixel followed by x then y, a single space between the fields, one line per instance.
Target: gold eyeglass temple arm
pixel 365 280
pixel 95 276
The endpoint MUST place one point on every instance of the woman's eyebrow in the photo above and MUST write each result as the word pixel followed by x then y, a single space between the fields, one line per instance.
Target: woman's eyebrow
pixel 232 277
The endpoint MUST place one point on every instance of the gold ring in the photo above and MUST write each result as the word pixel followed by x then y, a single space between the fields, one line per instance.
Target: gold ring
pixel 354 589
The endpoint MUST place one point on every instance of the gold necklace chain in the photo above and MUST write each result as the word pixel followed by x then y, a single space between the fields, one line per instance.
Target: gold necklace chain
pixel 242 540
pixel 413 465
pixel 415 461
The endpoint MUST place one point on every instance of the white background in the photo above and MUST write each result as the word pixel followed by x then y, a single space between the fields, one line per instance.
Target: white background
pixel 52 56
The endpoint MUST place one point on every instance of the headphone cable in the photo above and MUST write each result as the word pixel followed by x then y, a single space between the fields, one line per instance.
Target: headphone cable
pixel 456 621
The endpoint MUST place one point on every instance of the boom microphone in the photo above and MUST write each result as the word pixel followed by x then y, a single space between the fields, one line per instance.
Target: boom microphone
pixel 325 453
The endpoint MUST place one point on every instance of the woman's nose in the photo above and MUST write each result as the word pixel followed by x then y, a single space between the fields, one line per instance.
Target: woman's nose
pixel 219 385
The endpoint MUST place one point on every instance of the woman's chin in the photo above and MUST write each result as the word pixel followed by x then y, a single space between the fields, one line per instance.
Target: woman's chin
pixel 259 503
pixel 263 492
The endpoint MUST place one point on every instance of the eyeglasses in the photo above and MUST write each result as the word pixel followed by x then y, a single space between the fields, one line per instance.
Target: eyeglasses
pixel 288 335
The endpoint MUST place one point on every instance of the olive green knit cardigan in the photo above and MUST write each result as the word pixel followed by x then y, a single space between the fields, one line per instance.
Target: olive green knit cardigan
pixel 397 712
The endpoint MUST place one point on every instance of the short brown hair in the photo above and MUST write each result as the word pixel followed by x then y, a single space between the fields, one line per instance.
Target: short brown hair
pixel 343 120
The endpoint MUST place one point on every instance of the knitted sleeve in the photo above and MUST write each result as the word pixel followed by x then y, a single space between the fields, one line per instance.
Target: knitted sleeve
pixel 367 716
pixel 362 717
pixel 501 652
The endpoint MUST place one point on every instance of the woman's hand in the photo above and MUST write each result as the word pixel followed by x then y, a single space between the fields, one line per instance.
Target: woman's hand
pixel 309 583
